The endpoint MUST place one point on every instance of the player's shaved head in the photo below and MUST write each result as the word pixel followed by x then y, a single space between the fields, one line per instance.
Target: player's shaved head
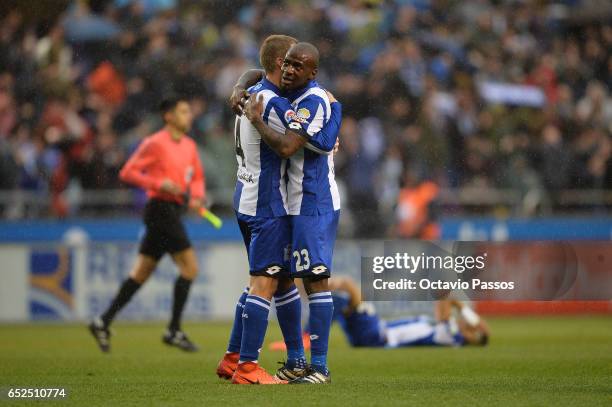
pixel 274 48
pixel 300 66
pixel 307 52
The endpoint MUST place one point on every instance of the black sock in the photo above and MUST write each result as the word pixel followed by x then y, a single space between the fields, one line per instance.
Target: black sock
pixel 181 291
pixel 127 290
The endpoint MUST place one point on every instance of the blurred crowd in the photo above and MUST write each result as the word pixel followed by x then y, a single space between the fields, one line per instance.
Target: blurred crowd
pixel 491 95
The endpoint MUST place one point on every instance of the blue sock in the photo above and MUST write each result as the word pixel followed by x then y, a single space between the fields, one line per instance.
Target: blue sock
pixel 254 325
pixel 289 313
pixel 236 335
pixel 321 311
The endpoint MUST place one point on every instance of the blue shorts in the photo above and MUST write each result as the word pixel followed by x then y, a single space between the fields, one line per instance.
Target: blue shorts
pixel 267 243
pixel 312 244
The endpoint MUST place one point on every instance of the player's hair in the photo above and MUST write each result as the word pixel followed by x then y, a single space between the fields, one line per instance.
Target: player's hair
pixel 169 103
pixel 273 47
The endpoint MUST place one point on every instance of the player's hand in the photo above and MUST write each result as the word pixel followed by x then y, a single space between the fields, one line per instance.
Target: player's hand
pixel 254 108
pixel 238 99
pixel 336 146
pixel 169 187
pixel 330 96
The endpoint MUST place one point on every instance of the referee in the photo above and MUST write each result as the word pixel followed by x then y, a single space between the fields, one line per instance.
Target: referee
pixel 167 166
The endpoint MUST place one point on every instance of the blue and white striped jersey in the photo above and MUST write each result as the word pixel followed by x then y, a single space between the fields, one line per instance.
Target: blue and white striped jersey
pixel 422 331
pixel 311 187
pixel 261 186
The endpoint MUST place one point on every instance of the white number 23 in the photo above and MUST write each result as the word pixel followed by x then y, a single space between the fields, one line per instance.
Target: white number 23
pixel 301 258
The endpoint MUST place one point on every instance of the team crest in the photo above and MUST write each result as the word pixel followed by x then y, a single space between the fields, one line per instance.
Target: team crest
pixel 303 113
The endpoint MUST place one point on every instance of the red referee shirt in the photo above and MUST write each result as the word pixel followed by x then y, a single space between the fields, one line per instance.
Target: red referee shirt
pixel 159 157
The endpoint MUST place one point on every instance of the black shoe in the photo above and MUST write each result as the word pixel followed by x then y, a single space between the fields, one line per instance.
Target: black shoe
pixel 288 373
pixel 180 340
pixel 313 376
pixel 101 334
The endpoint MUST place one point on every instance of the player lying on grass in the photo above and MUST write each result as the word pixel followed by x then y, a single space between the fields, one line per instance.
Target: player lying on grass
pixel 364 328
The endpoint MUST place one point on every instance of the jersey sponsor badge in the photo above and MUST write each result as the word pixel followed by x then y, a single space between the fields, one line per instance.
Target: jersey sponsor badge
pixel 289 115
pixel 292 116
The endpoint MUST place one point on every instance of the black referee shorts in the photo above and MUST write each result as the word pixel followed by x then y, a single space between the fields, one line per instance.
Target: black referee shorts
pixel 165 232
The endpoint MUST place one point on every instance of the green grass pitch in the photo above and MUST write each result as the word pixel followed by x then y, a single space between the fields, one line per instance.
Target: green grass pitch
pixel 530 361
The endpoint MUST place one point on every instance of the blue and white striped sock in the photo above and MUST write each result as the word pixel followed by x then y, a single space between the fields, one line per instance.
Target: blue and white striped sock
pixel 236 335
pixel 321 312
pixel 254 325
pixel 289 313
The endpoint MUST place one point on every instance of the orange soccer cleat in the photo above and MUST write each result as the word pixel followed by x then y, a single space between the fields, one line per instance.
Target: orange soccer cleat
pixel 228 365
pixel 252 373
pixel 279 346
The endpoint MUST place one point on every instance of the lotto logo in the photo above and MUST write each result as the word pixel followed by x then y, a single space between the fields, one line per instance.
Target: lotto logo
pixel 273 270
pixel 319 270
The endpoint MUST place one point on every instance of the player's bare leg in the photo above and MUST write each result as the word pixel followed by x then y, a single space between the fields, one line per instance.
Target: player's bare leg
pixel 264 287
pixel 140 273
pixel 187 264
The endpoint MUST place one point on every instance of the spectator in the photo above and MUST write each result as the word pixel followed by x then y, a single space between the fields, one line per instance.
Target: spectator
pixel 73 102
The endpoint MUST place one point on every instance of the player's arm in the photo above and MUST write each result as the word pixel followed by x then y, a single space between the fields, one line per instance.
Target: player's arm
pixel 134 173
pixel 309 122
pixel 467 313
pixel 288 143
pixel 347 285
pixel 239 94
pixel 283 144
pixel 326 140
pixel 443 310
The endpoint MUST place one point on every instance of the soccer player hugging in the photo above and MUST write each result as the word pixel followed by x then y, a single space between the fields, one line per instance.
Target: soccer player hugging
pixel 287 205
